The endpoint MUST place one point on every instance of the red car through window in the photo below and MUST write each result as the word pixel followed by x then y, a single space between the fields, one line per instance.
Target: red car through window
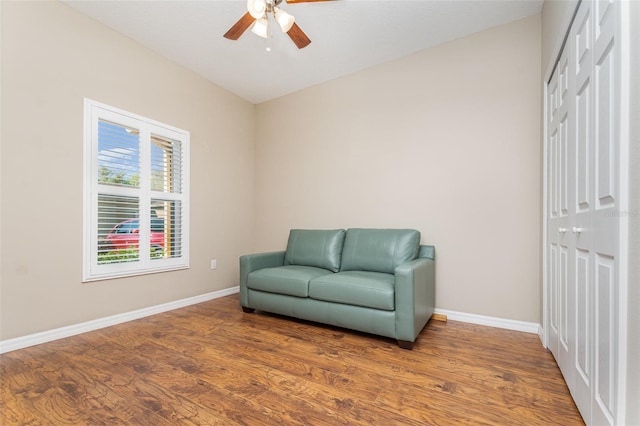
pixel 126 235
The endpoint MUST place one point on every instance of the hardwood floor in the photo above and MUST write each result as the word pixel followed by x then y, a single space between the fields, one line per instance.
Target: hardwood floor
pixel 213 364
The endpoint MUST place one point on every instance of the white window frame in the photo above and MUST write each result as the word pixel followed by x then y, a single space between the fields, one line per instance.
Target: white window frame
pixel 92 269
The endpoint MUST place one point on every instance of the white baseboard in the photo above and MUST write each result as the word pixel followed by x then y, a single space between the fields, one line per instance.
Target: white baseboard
pixel 71 330
pixel 541 335
pixel 527 327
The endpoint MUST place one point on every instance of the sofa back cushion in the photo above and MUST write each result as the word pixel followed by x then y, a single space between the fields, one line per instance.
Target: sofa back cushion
pixel 315 247
pixel 379 250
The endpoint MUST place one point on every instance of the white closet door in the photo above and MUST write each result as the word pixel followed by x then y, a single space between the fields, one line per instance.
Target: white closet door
pixel 581 43
pixel 559 235
pixel 553 215
pixel 583 228
pixel 605 219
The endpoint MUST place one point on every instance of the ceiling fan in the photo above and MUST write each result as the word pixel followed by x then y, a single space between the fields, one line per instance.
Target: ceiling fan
pixel 258 16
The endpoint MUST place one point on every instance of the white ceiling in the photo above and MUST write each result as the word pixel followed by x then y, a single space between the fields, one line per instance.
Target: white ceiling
pixel 347 36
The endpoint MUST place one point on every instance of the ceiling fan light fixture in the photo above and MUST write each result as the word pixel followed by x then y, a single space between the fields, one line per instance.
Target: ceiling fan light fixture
pixel 257 17
pixel 284 19
pixel 257 8
pixel 261 28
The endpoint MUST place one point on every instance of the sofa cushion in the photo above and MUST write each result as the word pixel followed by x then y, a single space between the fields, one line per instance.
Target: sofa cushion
pixel 379 250
pixel 292 280
pixel 315 247
pixel 369 289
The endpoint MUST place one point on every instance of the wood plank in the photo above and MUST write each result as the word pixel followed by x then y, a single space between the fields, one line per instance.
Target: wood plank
pixel 439 317
pixel 213 364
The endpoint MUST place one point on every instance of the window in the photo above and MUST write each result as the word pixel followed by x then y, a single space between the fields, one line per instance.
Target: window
pixel 136 194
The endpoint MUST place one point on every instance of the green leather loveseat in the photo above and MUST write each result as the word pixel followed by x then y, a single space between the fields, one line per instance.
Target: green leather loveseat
pixel 379 281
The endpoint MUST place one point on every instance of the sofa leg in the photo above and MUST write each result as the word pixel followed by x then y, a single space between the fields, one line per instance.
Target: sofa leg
pixel 247 310
pixel 405 344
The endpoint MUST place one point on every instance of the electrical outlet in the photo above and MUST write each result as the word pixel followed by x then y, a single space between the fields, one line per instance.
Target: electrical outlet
pixel 214 263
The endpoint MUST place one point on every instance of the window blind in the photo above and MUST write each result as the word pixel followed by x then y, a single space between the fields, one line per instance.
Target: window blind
pixel 137 198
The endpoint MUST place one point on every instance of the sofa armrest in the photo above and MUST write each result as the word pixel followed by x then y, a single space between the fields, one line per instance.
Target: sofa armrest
pixel 254 262
pixel 414 297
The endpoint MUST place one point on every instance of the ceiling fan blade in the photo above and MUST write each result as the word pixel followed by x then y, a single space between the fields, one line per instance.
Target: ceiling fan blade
pixel 239 27
pixel 298 36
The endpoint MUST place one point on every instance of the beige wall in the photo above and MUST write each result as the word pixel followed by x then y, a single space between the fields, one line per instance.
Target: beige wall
pixel 52 57
pixel 446 141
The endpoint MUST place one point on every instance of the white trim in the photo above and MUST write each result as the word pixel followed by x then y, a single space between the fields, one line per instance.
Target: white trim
pixel 542 335
pixel 527 327
pixel 72 330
